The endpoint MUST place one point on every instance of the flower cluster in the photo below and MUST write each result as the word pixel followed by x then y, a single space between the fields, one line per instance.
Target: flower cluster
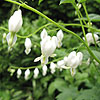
pixel 48 45
pixel 71 62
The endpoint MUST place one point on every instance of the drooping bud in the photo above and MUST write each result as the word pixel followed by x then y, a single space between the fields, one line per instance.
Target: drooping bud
pixel 59 38
pixel 28 45
pixel 53 67
pixel 19 72
pixel 27 73
pixel 36 72
pixel 79 5
pixel 44 70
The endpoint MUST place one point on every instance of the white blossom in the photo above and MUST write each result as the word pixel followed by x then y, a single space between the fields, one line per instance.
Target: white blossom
pixel 36 72
pixel 59 38
pixel 28 45
pixel 48 46
pixel 44 70
pixel 90 39
pixel 15 21
pixel 27 73
pixel 74 60
pixel 61 64
pixel 53 67
pixel 19 72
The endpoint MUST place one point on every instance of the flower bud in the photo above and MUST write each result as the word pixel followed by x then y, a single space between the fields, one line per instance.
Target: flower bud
pixel 36 72
pixel 15 22
pixel 59 38
pixel 52 67
pixel 44 69
pixel 27 73
pixel 19 72
pixel 79 5
pixel 28 45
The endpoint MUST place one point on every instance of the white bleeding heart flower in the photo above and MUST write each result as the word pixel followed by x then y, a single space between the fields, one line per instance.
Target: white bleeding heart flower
pixel 19 72
pixel 44 70
pixel 74 60
pixel 44 34
pixel 27 73
pixel 90 39
pixel 48 46
pixel 28 45
pixel 59 38
pixel 15 22
pixel 53 67
pixel 36 72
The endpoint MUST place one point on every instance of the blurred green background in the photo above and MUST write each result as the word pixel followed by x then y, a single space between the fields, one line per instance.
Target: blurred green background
pixel 61 85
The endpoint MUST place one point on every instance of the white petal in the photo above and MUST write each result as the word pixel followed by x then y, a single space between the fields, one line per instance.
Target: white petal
pixel 37 59
pixel 44 68
pixel 8 37
pixel 28 43
pixel 14 39
pixel 15 21
pixel 27 51
pixel 36 72
pixel 44 34
pixel 73 71
pixel 60 35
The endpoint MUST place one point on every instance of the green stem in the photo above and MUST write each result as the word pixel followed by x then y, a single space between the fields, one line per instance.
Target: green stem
pixel 80 21
pixel 61 27
pixel 84 6
pixel 82 17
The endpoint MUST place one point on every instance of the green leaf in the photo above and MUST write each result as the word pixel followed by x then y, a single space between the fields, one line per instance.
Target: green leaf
pixel 57 84
pixel 98 1
pixel 67 1
pixel 68 94
pixel 96 53
pixel 93 18
pixel 81 1
pixel 90 94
